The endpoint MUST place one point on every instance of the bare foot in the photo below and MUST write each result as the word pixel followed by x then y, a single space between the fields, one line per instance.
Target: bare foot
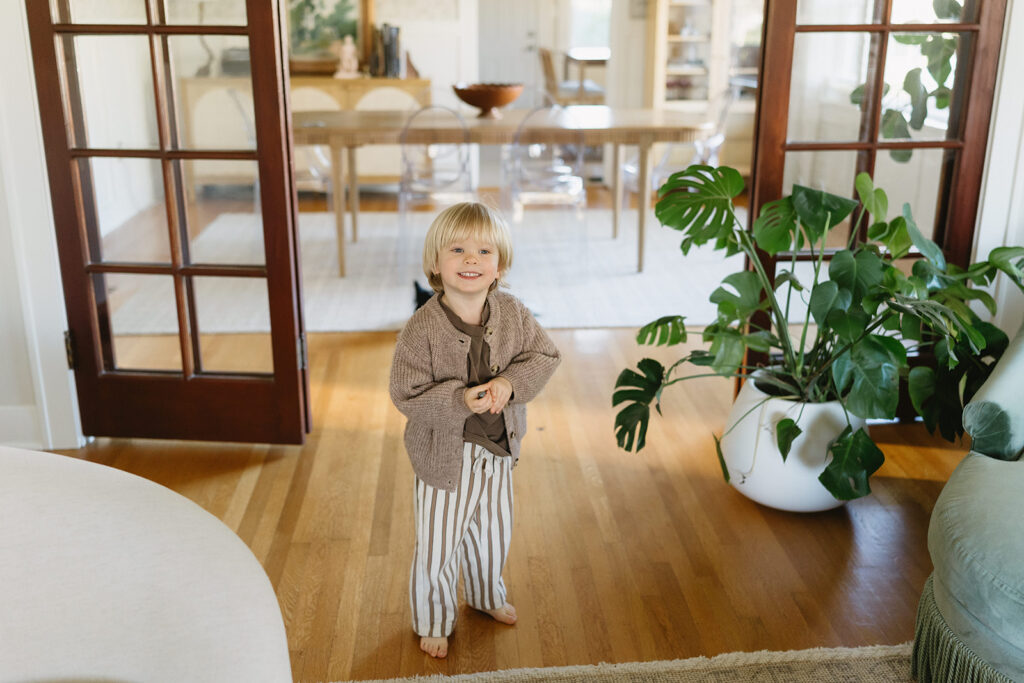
pixel 435 647
pixel 506 614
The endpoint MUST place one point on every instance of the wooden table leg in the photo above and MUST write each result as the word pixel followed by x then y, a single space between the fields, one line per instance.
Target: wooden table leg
pixel 338 185
pixel 353 192
pixel 616 189
pixel 644 199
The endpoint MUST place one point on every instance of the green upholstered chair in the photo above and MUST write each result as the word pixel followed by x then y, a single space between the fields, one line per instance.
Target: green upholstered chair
pixel 970 621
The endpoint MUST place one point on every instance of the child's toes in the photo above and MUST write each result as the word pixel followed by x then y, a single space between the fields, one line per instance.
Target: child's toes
pixel 506 614
pixel 435 647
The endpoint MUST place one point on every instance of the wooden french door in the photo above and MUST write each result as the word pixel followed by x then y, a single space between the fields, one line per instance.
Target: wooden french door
pixel 901 89
pixel 175 217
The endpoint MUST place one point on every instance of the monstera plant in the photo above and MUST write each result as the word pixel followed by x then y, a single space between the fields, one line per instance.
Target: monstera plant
pixel 867 317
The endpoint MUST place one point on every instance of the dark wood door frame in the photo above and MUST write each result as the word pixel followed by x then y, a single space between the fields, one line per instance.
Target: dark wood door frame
pixel 192 404
pixel 968 134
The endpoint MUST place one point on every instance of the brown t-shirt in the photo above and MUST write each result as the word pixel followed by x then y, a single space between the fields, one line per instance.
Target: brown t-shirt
pixel 484 429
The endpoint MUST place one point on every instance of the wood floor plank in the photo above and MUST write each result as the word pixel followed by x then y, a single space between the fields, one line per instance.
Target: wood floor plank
pixel 615 556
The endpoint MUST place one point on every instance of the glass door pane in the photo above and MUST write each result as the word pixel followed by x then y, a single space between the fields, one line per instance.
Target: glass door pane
pixel 108 91
pixel 99 11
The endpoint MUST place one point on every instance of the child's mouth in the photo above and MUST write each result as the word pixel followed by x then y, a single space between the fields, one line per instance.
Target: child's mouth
pixel 470 276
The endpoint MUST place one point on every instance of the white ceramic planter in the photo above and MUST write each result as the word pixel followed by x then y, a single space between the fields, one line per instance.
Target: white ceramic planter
pixel 752 455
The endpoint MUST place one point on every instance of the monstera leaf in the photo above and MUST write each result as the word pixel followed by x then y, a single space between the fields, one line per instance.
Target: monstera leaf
pixel 698 203
pixel 665 331
pixel 640 390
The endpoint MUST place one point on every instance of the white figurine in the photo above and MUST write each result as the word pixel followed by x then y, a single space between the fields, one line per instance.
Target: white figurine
pixel 348 60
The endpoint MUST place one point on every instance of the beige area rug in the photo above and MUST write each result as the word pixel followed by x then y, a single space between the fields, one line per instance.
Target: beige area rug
pixel 570 273
pixel 877 664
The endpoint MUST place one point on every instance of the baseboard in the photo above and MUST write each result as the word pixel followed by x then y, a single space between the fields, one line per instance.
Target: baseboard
pixel 19 427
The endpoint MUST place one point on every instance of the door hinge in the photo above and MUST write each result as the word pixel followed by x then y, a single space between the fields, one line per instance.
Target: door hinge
pixel 69 349
pixel 301 351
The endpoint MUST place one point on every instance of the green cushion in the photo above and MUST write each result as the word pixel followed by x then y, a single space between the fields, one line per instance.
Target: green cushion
pixel 995 416
pixel 978 551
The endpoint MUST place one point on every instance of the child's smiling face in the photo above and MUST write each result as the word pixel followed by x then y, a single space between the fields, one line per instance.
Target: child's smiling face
pixel 468 266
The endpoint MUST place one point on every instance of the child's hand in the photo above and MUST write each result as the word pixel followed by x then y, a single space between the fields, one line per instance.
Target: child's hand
pixel 500 390
pixel 478 399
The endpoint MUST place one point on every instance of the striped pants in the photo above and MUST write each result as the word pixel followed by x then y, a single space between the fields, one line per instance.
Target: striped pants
pixel 471 528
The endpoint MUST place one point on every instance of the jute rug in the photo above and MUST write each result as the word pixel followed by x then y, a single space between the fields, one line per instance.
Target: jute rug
pixel 877 664
pixel 570 273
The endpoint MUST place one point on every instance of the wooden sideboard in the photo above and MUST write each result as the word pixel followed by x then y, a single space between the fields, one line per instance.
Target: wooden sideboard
pixel 217 113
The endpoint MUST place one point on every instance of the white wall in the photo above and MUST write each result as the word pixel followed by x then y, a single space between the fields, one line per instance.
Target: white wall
pixel 440 36
pixel 1001 215
pixel 628 43
pixel 37 400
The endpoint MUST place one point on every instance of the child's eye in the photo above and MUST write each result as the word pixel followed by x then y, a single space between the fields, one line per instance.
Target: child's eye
pixel 485 251
pixel 457 250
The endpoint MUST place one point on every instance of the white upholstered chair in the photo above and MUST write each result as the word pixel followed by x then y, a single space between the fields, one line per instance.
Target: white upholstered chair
pixel 108 576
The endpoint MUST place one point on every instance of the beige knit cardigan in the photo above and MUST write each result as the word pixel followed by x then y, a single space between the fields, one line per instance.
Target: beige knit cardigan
pixel 429 375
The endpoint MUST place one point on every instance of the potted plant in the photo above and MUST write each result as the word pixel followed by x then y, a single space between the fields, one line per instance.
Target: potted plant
pixel 865 320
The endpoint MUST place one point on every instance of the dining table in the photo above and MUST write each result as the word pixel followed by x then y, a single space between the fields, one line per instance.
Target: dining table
pixel 344 131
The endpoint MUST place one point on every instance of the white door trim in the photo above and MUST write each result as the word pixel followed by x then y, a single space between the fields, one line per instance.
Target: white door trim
pixel 29 219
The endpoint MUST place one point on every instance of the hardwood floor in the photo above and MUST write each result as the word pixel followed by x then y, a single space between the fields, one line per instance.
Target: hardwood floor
pixel 615 557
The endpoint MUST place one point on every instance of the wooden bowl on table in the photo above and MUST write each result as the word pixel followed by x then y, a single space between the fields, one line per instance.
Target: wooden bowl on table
pixel 488 97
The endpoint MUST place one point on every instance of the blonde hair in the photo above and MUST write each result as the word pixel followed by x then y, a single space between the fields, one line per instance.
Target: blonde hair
pixel 468 219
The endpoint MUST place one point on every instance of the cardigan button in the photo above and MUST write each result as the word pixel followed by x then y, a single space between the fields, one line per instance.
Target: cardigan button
pixel 494 369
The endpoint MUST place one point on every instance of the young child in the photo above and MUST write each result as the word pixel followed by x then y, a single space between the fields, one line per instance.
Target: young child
pixel 465 366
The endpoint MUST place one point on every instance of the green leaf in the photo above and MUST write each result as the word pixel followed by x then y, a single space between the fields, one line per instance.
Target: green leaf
pixel 856 273
pixel 698 202
pixel 1008 260
pixel 855 457
pixel 785 432
pixel 901 155
pixel 721 458
pixel 939 50
pixel 666 331
pixel 819 210
pixel 918 98
pixel 842 372
pixel 639 390
pixel 947 9
pixel 727 348
pixel 910 38
pixel 875 364
pixel 893 235
pixel 942 96
pixel 775 229
pixel 744 302
pixel 910 327
pixel 849 325
pixel 824 299
pixel 760 341
pixel 874 199
pixel 929 249
pixel 894 125
pixel 857 96
pixel 921 387
pixel 784 277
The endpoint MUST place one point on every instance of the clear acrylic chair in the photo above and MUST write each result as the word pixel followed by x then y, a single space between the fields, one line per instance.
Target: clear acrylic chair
pixel 705 151
pixel 539 168
pixel 434 173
